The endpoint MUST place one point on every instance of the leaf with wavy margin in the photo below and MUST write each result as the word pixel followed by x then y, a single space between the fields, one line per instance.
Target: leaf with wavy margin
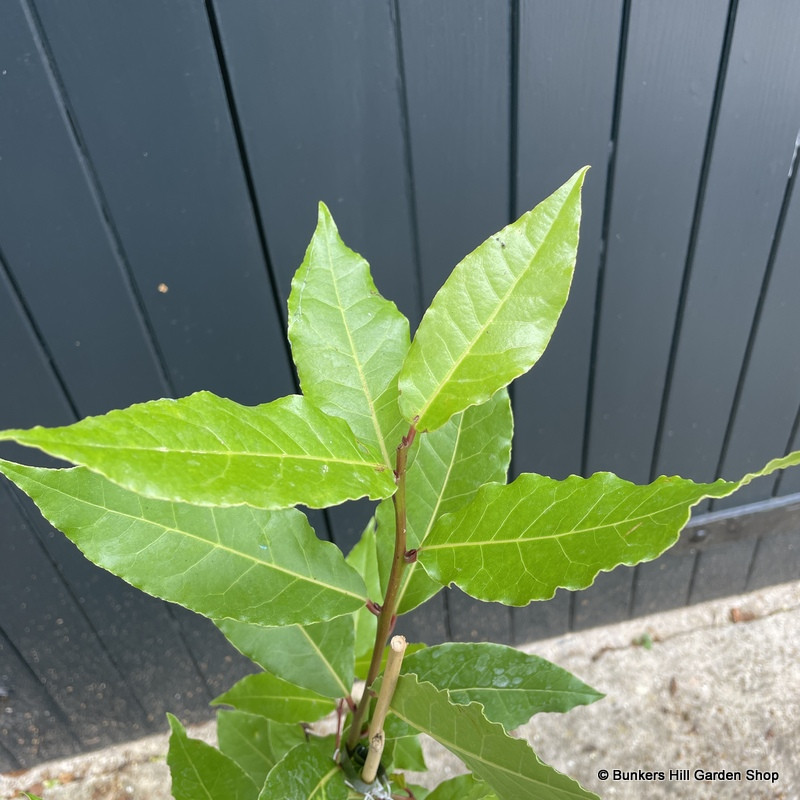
pixel 448 467
pixel 275 699
pixel 208 450
pixel 305 773
pixel 348 342
pixel 201 771
pixel 493 317
pixel 254 742
pixel 520 542
pixel 508 765
pixel 263 567
pixel 317 656
pixel 511 685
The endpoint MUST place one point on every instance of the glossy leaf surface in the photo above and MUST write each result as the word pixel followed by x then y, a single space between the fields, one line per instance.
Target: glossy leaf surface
pixel 508 765
pixel 511 685
pixel 275 699
pixel 448 467
pixel 348 342
pixel 305 773
pixel 255 743
pixel 263 567
pixel 201 772
pixel 208 450
pixel 493 317
pixel 318 656
pixel 521 542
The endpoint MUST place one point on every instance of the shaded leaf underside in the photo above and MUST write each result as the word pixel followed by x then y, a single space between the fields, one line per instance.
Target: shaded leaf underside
pixel 263 567
pixel 208 450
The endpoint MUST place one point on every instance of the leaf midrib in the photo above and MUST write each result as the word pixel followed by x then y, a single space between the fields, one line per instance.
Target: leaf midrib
pixel 356 360
pixel 453 747
pixel 500 305
pixel 325 661
pixel 210 545
pixel 575 531
pixel 189 452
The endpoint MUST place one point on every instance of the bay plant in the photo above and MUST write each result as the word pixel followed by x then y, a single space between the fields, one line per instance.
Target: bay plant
pixel 195 500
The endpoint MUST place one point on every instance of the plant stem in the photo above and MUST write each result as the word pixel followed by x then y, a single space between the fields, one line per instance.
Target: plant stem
pixel 387 615
pixel 376 736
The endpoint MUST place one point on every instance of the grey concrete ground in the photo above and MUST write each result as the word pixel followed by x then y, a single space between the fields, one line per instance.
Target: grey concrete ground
pixel 710 688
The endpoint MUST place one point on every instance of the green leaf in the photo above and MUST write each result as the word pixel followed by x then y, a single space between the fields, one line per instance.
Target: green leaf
pixel 305 773
pixel 462 787
pixel 508 765
pixel 31 796
pixel 404 753
pixel 264 567
pixel 275 699
pixel 449 466
pixel 255 743
pixel 520 542
pixel 318 656
pixel 348 342
pixel 208 450
pixel 495 314
pixel 364 559
pixel 201 772
pixel 511 685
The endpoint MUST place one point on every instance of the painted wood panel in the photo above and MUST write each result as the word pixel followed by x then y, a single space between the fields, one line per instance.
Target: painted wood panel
pixel 457 67
pixel 143 83
pixel 568 54
pixel 762 420
pixel 671 66
pixel 756 132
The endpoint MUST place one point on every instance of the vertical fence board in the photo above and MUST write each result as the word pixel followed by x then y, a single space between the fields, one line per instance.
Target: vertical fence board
pixel 763 419
pixel 50 631
pixel 722 570
pixel 336 136
pixel 662 584
pixel 776 560
pixel 670 72
pixel 475 621
pixel 567 71
pixel 32 727
pixel 756 132
pixel 457 68
pixel 144 85
pixel 605 601
pixel 55 243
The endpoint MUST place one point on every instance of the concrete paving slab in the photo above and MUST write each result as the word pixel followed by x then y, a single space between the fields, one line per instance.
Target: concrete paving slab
pixel 692 694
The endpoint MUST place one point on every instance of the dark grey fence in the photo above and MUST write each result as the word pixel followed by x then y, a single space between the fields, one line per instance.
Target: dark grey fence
pixel 160 163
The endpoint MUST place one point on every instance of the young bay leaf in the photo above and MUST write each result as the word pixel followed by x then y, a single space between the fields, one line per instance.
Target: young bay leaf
pixel 511 685
pixel 262 567
pixel 462 787
pixel 520 542
pixel 254 742
pixel 275 699
pixel 208 450
pixel 348 342
pixel 201 771
pixel 509 766
pixel 305 773
pixel 448 467
pixel 318 656
pixel 493 317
